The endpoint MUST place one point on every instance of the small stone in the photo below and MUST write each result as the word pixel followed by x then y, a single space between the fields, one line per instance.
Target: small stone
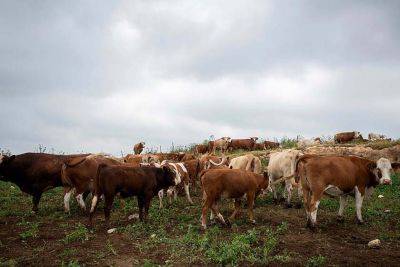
pixel 12 187
pixel 380 196
pixel 387 211
pixel 112 230
pixel 133 216
pixel 376 243
pixel 153 235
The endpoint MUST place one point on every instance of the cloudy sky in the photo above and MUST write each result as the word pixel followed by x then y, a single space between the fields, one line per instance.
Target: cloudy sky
pixel 100 75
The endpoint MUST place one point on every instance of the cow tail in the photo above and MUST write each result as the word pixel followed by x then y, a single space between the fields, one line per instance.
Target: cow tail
pixel 64 177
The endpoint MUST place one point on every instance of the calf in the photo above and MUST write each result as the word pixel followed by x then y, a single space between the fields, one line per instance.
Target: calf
pixel 143 182
pixel 281 165
pixel 339 176
pixel 347 137
pixel 79 177
pixel 35 173
pixel 230 183
pixel 138 148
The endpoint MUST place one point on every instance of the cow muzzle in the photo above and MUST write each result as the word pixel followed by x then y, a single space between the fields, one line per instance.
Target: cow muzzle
pixel 386 181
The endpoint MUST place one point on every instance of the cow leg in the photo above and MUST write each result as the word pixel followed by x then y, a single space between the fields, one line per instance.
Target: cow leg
pixel 307 200
pixel 160 197
pixel 342 201
pixel 140 200
pixel 359 201
pixel 170 193
pixel 219 216
pixel 313 208
pixel 272 187
pixel 237 209
pixel 250 204
pixel 35 201
pixel 93 209
pixel 288 189
pixel 79 199
pixel 206 206
pixel 107 209
pixel 147 201
pixel 67 197
pixel 300 195
pixel 186 185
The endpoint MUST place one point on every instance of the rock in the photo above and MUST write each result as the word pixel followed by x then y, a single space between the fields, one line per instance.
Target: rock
pixel 386 211
pixel 376 243
pixel 153 235
pixel 112 230
pixel 133 216
pixel 380 196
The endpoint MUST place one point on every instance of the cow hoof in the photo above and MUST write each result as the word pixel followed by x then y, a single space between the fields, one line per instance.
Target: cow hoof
pixel 228 224
pixel 340 219
pixel 253 222
pixel 360 222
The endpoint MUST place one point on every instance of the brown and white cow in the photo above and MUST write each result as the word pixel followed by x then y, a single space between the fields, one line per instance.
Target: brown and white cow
pixel 143 182
pixel 246 144
pixel 138 148
pixel 283 164
pixel 347 137
pixel 79 176
pixel 230 183
pixel 247 162
pixel 374 136
pixel 339 176
pixel 35 173
pixel 271 145
pixel 221 144
pixel 180 169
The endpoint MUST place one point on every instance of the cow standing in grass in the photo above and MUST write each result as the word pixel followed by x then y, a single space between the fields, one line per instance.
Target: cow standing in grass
pixel 35 173
pixel 230 183
pixel 339 176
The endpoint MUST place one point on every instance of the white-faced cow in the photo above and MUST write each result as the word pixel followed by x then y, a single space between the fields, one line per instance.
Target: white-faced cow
pixel 339 176
pixel 346 137
pixel 138 148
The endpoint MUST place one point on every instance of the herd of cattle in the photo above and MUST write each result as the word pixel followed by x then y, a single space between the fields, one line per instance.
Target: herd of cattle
pixel 239 178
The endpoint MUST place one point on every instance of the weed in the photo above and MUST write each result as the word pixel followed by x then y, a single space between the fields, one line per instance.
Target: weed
pixel 31 232
pixel 316 261
pixel 81 233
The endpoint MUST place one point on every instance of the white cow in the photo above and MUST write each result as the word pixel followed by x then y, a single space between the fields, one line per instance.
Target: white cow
pixel 246 163
pixel 374 136
pixel 283 164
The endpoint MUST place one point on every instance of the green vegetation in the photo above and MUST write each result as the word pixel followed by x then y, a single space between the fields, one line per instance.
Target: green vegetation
pixel 80 233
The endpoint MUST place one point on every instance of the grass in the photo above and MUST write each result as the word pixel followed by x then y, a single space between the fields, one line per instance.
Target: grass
pixel 80 233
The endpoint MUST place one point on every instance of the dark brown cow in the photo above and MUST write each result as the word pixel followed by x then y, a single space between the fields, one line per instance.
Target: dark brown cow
pixel 345 137
pixel 35 173
pixel 230 183
pixel 143 182
pixel 201 149
pixel 270 145
pixel 338 176
pixel 79 177
pixel 246 144
pixel 138 148
pixel 259 146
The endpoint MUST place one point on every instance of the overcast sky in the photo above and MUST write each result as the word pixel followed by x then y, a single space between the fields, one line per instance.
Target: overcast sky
pixel 101 75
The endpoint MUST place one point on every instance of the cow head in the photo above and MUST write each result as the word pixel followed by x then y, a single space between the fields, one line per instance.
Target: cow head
pixel 381 169
pixel 143 143
pixel 4 161
pixel 254 138
pixel 171 175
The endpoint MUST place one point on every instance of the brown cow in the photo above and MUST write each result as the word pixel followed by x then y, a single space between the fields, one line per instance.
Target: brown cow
pixel 143 182
pixel 345 137
pixel 138 148
pixel 338 176
pixel 201 149
pixel 79 177
pixel 246 144
pixel 271 145
pixel 133 160
pixel 259 146
pixel 187 156
pixel 35 173
pixel 396 167
pixel 230 183
pixel 210 147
